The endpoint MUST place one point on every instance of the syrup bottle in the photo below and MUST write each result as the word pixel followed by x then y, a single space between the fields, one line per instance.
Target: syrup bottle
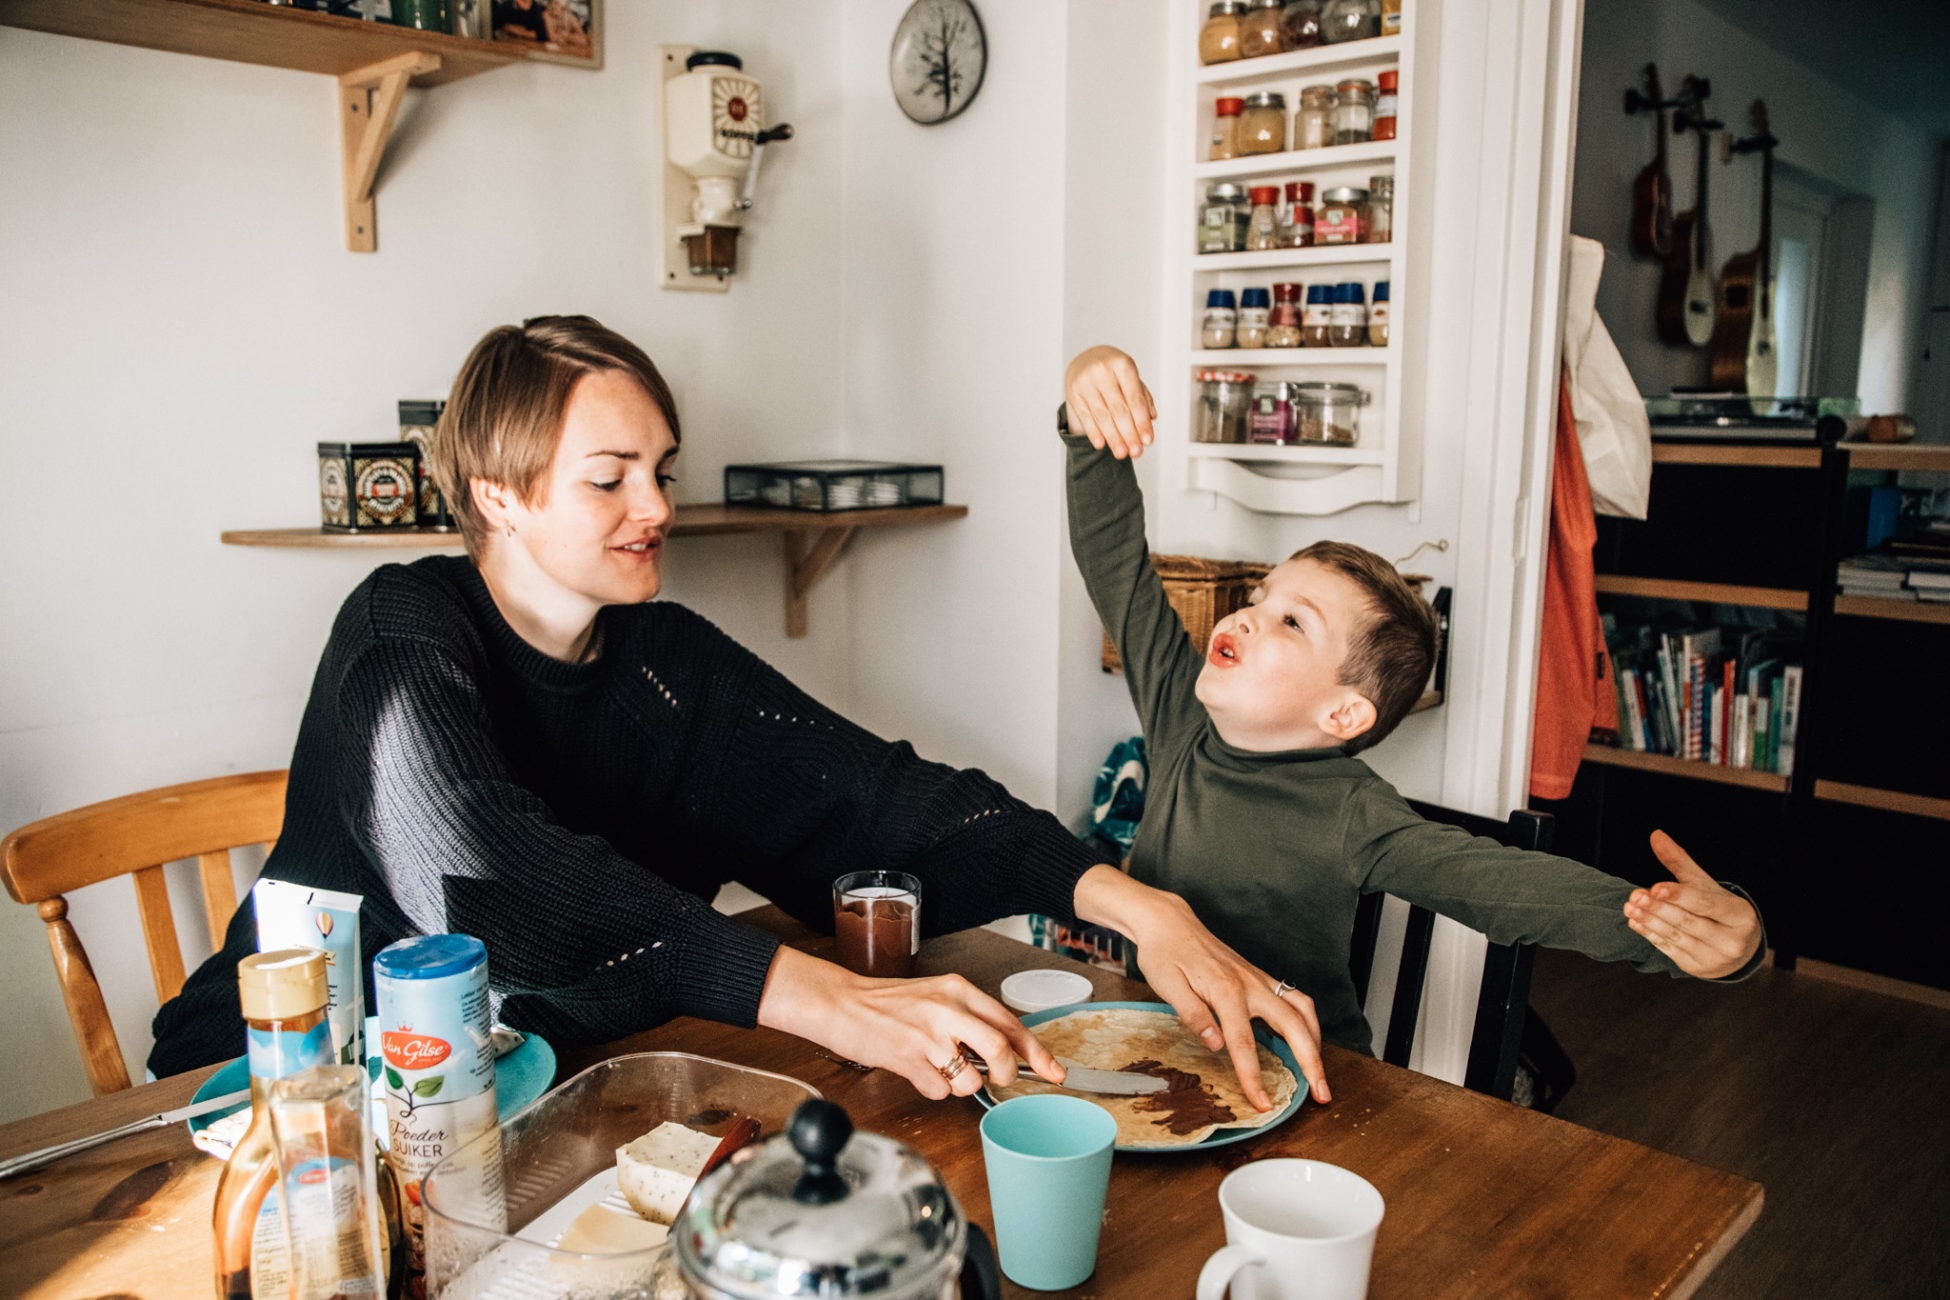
pixel 283 995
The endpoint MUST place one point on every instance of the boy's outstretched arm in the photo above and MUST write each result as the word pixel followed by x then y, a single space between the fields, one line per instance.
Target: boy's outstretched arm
pixel 1108 403
pixel 1708 931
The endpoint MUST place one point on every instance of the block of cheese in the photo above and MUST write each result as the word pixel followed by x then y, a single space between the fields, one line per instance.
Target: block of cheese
pixel 656 1171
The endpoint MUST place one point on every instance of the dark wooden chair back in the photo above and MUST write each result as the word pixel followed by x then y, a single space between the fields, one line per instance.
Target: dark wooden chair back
pixel 1500 1007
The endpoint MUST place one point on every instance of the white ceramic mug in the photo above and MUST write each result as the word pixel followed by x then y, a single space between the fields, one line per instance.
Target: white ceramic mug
pixel 1295 1230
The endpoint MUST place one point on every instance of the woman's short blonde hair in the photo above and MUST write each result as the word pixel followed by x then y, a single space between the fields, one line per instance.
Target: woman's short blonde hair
pixel 504 416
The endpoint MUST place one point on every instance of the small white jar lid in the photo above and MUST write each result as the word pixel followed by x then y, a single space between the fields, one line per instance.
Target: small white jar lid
pixel 1039 990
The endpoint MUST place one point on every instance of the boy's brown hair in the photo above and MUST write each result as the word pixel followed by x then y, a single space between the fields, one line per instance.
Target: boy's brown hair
pixel 1390 656
pixel 504 416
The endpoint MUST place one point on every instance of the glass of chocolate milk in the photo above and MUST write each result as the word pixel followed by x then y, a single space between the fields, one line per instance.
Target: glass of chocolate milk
pixel 877 916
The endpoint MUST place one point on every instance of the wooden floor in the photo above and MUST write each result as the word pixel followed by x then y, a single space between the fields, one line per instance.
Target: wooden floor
pixel 1836 1100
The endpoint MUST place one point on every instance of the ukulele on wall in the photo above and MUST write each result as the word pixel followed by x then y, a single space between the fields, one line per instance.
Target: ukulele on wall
pixel 1652 191
pixel 1686 288
pixel 1743 340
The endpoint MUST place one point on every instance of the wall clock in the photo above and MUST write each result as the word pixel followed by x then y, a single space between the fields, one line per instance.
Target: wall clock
pixel 937 60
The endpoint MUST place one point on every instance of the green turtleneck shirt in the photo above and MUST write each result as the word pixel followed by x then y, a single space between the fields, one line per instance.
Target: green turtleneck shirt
pixel 1274 850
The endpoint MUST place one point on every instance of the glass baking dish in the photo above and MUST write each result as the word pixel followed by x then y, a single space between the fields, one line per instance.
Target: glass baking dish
pixel 554 1158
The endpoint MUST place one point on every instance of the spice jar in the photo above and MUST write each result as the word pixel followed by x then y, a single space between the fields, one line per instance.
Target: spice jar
pixel 1264 231
pixel 1297 217
pixel 1224 405
pixel 1262 124
pixel 1316 316
pixel 1283 327
pixel 1225 129
pixel 1327 413
pixel 1221 320
pixel 1259 29
pixel 1391 17
pixel 1349 20
pixel 1353 112
pixel 1222 224
pixel 1300 25
pixel 1218 40
pixel 1343 216
pixel 1381 210
pixel 1255 316
pixel 1378 316
pixel 1313 121
pixel 1347 324
pixel 1271 423
pixel 1387 99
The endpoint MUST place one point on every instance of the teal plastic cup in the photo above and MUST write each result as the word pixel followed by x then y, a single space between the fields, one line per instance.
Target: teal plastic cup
pixel 1048 1159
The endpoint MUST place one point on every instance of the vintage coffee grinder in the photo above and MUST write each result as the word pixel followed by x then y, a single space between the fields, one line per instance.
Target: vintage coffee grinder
pixel 714 137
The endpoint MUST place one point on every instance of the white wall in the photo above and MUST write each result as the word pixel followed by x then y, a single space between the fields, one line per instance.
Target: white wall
pixel 1824 131
pixel 180 322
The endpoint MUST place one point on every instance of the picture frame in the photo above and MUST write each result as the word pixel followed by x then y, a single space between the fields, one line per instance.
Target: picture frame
pixel 550 29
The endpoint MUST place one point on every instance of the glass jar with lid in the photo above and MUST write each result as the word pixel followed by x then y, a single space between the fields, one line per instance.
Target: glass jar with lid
pixel 1327 414
pixel 1272 423
pixel 1300 25
pixel 1353 112
pixel 1222 222
pixel 1316 316
pixel 1255 314
pixel 1283 328
pixel 1378 316
pixel 1387 103
pixel 1225 405
pixel 1313 121
pixel 1262 123
pixel 1218 40
pixel 1221 320
pixel 1259 29
pixel 1349 20
pixel 1342 217
pixel 1297 215
pixel 1347 326
pixel 1263 233
pixel 1225 129
pixel 1381 210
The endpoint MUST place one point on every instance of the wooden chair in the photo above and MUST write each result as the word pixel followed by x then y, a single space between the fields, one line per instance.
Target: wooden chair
pixel 1502 1005
pixel 137 834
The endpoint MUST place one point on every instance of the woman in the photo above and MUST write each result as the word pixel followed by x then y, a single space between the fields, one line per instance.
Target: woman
pixel 519 746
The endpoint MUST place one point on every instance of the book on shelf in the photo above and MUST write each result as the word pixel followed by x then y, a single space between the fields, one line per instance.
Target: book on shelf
pixel 1729 697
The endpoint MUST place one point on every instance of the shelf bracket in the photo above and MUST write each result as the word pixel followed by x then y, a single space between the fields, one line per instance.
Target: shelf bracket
pixel 807 558
pixel 369 100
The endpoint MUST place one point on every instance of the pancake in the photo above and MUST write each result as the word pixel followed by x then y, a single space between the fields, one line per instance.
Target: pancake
pixel 1202 1094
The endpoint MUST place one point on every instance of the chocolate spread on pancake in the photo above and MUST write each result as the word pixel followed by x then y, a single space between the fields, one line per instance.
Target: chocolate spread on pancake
pixel 1188 1104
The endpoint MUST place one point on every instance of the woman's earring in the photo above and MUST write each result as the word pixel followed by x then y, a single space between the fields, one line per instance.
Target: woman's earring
pixel 511 530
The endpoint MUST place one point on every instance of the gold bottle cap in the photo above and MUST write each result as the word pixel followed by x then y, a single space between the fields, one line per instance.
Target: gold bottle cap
pixel 282 985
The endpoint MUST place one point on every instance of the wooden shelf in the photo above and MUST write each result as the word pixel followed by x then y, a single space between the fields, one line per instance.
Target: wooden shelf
pixel 1721 453
pixel 1865 796
pixel 1667 765
pixel 1898 455
pixel 250 31
pixel 1718 593
pixel 812 541
pixel 1292 161
pixel 1902 611
pixel 1279 67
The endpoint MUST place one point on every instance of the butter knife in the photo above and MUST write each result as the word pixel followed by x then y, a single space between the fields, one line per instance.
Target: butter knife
pixel 1081 1078
pixel 60 1151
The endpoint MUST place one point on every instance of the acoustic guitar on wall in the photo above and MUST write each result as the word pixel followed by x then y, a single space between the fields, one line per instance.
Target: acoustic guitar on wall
pixel 1743 339
pixel 1686 288
pixel 1652 191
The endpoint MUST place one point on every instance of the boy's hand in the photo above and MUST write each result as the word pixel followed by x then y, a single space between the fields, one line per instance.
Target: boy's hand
pixel 1108 403
pixel 1708 931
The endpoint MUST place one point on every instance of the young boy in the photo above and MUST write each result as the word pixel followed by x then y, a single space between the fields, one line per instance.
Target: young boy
pixel 1257 811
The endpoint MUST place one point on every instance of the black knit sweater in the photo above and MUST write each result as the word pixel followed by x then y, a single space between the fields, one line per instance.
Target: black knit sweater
pixel 579 818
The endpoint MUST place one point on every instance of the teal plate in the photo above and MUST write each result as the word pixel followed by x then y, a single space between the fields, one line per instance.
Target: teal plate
pixel 519 1078
pixel 1225 1136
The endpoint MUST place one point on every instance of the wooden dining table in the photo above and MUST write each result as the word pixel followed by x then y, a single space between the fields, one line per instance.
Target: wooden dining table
pixel 1483 1198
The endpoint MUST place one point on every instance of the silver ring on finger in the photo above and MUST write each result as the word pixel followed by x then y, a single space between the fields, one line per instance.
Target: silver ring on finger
pixel 1281 988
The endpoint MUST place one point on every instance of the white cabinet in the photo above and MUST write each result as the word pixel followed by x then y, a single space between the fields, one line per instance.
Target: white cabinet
pixel 1382 466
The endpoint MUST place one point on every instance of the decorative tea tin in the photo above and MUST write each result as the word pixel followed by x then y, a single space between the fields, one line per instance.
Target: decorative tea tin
pixel 416 425
pixel 368 485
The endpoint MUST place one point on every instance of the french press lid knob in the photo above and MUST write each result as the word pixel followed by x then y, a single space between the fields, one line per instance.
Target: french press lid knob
pixel 818 1132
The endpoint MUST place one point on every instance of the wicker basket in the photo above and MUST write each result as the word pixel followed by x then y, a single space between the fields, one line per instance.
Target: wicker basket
pixel 1202 592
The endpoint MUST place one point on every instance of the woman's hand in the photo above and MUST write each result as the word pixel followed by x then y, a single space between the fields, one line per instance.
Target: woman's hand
pixel 1216 992
pixel 1709 932
pixel 1108 403
pixel 913 1027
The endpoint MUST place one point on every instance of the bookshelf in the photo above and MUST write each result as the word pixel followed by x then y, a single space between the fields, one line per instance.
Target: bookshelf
pixel 1845 853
